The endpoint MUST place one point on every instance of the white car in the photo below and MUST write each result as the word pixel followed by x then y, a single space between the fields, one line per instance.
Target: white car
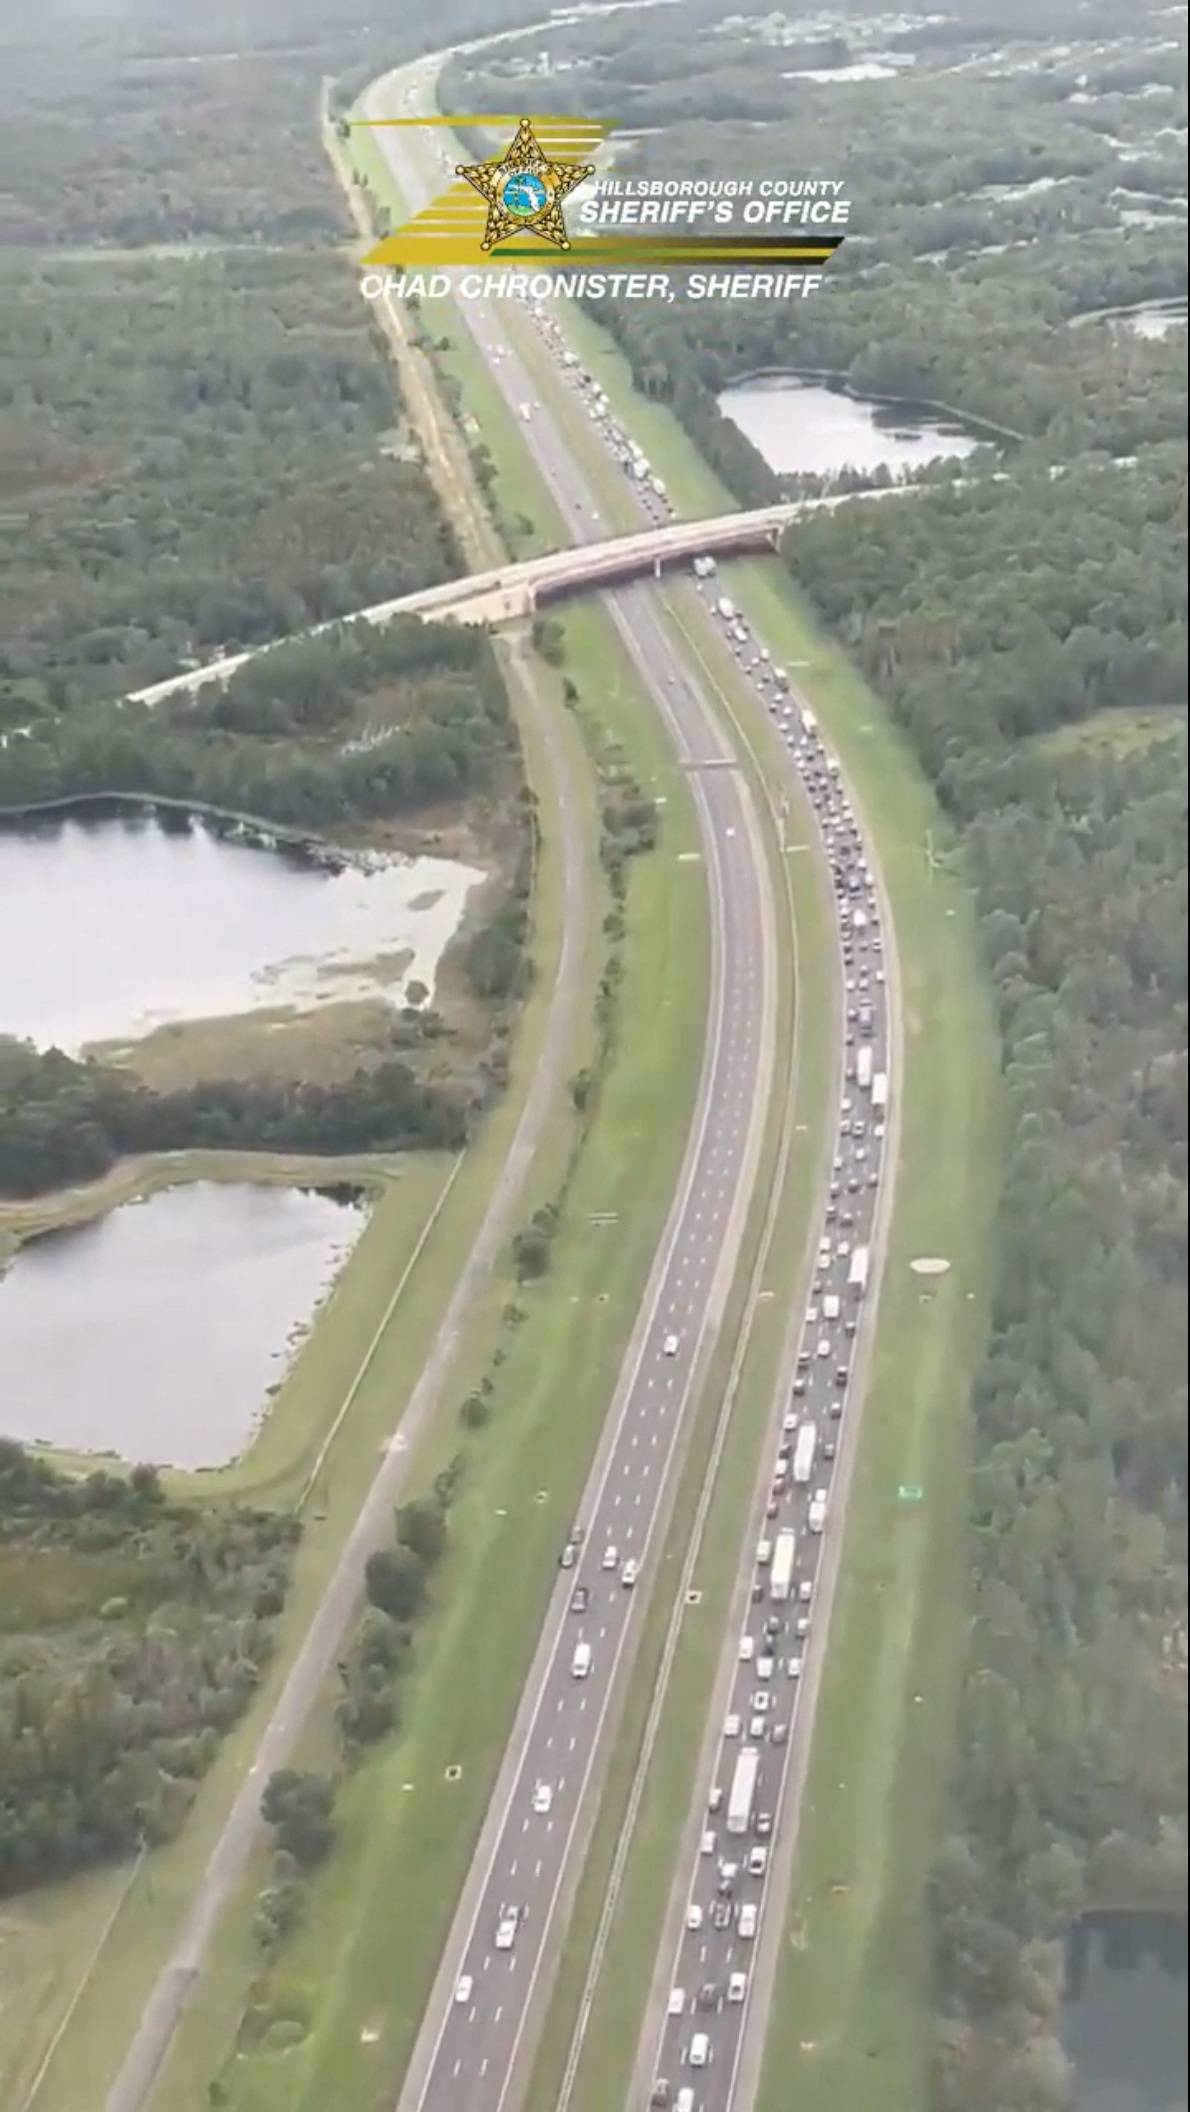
pixel 793 1667
pixel 693 1917
pixel 463 1988
pixel 731 1728
pixel 506 1929
pixel 669 1347
pixel 764 1668
pixel 824 1347
pixel 677 2001
pixel 716 1798
pixel 628 1574
pixel 707 1844
pixel 757 1729
pixel 610 1558
pixel 746 1925
pixel 805 1590
pixel 747 1649
pixel 543 1797
pixel 737 1987
pixel 700 2050
pixel 762 1702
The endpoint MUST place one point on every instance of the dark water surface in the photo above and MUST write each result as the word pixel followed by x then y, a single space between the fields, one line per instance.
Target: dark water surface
pixel 156 1332
pixel 1125 2019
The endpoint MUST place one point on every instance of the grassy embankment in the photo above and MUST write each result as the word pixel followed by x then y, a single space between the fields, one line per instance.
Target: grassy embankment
pixel 356 1359
pixel 853 1982
pixel 418 1843
pixel 360 1973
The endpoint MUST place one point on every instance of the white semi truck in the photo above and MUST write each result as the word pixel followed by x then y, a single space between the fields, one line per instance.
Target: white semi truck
pixel 803 1454
pixel 857 1274
pixel 743 1790
pixel 781 1573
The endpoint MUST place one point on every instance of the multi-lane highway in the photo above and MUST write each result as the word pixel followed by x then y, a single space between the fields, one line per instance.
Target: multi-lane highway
pixel 708 1988
pixel 498 1962
pixel 502 1948
pixel 694 2058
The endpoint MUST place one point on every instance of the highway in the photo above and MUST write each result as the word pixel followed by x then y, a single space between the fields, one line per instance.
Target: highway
pixel 707 2044
pixel 705 2023
pixel 766 1703
pixel 476 2039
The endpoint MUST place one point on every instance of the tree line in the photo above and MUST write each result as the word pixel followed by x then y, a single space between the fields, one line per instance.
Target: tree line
pixel 133 1632
pixel 62 1122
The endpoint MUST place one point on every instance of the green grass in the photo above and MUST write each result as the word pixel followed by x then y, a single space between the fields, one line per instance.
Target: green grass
pixel 366 1963
pixel 604 2072
pixel 853 1981
pixel 115 1990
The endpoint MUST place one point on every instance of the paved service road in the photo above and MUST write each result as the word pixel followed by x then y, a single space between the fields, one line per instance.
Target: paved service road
pixel 500 1955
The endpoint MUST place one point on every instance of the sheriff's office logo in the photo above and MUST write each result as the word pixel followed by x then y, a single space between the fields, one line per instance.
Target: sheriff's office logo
pixel 524 191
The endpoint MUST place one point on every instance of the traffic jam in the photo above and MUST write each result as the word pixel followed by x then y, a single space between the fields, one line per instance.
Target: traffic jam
pixel 709 1987
pixel 706 2006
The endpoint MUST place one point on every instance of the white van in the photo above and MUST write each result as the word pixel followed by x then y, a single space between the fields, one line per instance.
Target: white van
pixel 700 2050
pixel 747 1922
pixel 684 2101
pixel 737 1987
pixel 580 1663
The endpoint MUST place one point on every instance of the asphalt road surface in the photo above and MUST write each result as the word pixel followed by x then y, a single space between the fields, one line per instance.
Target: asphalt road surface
pixel 499 1957
pixel 708 1993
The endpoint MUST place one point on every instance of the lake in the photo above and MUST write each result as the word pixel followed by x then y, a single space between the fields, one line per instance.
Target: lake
pixel 1124 2023
pixel 801 424
pixel 157 1331
pixel 115 926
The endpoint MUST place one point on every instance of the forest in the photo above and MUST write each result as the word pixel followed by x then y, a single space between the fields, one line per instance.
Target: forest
pixel 330 731
pixel 1025 623
pixel 133 1632
pixel 62 1121
pixel 1003 624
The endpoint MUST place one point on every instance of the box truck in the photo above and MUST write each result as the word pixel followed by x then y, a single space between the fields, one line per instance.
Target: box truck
pixel 857 1274
pixel 863 1067
pixel 743 1790
pixel 803 1454
pixel 781 1573
pixel 880 1089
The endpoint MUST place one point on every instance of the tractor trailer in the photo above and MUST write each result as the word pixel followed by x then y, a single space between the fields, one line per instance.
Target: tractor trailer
pixel 803 1453
pixel 781 1573
pixel 743 1790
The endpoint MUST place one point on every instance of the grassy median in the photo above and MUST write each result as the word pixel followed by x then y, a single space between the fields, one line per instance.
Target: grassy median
pixel 850 2018
pixel 359 1977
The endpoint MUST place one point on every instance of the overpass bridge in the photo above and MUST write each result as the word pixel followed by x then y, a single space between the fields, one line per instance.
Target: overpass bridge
pixel 517 590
